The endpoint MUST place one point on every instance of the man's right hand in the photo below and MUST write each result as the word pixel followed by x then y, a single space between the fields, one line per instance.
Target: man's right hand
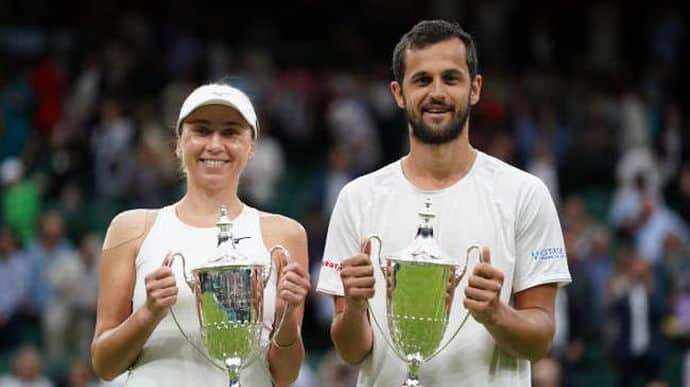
pixel 357 275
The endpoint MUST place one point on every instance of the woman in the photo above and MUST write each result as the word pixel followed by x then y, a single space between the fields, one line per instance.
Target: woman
pixel 216 130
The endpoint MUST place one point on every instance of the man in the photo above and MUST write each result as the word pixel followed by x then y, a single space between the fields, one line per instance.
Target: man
pixel 477 199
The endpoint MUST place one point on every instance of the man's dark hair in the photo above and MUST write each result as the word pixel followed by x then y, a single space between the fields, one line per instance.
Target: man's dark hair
pixel 426 33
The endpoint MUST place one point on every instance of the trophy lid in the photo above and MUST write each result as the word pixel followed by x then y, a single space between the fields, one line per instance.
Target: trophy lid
pixel 227 253
pixel 424 247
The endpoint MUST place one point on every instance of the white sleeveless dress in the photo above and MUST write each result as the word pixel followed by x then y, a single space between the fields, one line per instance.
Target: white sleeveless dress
pixel 166 358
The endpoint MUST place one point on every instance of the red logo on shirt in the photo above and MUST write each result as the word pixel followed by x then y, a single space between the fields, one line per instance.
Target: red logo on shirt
pixel 332 264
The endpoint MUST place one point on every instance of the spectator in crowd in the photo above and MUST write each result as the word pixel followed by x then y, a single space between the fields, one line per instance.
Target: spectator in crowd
pixel 337 172
pixel 21 200
pixel 546 373
pixel 16 103
pixel 72 314
pixel 679 194
pixel 79 374
pixel 263 173
pixel 635 303
pixel 15 277
pixel 574 322
pixel 26 370
pixel 46 300
pixel 112 144
pixel 352 125
pixel 599 268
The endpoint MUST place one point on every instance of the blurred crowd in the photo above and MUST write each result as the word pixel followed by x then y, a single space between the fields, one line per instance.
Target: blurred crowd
pixel 86 131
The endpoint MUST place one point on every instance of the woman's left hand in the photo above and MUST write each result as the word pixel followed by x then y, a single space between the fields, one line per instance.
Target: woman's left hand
pixel 293 283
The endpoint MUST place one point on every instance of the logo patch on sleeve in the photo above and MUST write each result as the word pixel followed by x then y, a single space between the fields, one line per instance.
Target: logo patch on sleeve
pixel 548 254
pixel 332 264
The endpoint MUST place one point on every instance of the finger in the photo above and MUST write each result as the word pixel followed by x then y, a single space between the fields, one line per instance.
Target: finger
pixel 356 260
pixel 163 293
pixel 487 271
pixel 161 272
pixel 479 295
pixel 295 270
pixel 296 280
pixel 167 301
pixel 474 306
pixel 357 271
pixel 486 254
pixel 294 267
pixel 484 283
pixel 165 282
pixel 155 286
pixel 296 291
pixel 360 293
pixel 293 287
pixel 360 282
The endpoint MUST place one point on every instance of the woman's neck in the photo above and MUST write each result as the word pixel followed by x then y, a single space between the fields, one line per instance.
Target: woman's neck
pixel 202 208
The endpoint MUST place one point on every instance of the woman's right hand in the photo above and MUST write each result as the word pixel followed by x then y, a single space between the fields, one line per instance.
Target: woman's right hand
pixel 161 289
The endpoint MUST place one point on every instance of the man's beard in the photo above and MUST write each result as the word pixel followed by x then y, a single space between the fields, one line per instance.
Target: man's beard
pixel 442 135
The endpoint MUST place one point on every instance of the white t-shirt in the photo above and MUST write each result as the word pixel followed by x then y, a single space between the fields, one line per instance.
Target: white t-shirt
pixel 494 205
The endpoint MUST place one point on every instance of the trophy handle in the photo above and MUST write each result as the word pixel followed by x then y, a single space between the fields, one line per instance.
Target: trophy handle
pixel 458 277
pixel 279 327
pixel 377 238
pixel 187 277
pixel 190 282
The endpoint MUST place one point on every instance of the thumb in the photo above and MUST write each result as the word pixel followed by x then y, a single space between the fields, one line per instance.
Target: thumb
pixel 486 255
pixel 366 247
pixel 168 260
pixel 283 260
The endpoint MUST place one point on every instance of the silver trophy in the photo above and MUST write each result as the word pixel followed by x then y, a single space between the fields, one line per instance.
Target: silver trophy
pixel 229 292
pixel 420 287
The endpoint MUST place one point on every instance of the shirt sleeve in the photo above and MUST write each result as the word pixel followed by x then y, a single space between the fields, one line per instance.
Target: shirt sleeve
pixel 342 242
pixel 541 256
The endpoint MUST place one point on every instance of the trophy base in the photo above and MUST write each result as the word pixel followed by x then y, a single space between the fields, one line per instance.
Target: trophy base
pixel 232 365
pixel 414 360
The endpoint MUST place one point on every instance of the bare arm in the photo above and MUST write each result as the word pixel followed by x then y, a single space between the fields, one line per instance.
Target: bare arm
pixel 525 330
pixel 121 333
pixel 351 330
pixel 285 359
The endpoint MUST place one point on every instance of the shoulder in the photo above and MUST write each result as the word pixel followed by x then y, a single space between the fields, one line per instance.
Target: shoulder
pixel 490 165
pixel 281 230
pixel 509 179
pixel 129 226
pixel 364 185
pixel 282 226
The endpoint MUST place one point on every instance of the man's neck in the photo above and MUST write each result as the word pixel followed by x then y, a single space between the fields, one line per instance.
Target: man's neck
pixel 438 166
